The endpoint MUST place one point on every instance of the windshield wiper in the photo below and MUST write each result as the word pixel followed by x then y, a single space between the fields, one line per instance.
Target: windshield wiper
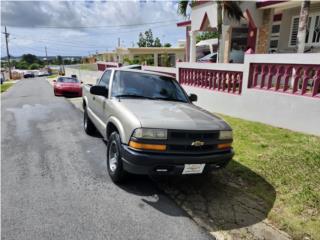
pixel 132 96
pixel 169 99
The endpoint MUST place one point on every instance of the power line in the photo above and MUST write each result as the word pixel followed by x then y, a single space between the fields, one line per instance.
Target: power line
pixel 106 26
pixel 73 42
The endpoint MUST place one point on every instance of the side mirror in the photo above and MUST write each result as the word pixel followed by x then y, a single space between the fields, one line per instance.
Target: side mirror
pixel 54 80
pixel 81 82
pixel 193 97
pixel 99 90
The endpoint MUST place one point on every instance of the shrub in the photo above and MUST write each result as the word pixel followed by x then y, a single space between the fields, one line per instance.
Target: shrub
pixel 34 66
pixel 22 65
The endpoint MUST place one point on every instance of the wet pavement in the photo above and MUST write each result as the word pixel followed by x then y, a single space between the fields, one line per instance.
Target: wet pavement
pixel 54 183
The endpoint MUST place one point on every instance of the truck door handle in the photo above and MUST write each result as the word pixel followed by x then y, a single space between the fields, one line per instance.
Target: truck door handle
pixel 93 98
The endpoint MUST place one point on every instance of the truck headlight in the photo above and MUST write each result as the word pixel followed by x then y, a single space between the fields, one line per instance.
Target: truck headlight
pixel 225 135
pixel 150 133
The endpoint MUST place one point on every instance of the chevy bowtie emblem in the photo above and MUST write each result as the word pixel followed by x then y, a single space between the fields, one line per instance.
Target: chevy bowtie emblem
pixel 197 143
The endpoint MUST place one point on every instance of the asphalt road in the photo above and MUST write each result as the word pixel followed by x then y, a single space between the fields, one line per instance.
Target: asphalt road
pixel 54 183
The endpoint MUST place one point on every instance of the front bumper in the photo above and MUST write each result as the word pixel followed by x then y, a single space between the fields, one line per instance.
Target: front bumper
pixel 68 92
pixel 151 163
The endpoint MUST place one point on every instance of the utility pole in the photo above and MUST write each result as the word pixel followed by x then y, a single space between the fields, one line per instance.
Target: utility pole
pixel 8 55
pixel 45 48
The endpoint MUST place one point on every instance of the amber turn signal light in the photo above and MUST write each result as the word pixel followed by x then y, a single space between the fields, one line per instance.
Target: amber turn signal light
pixel 224 145
pixel 144 146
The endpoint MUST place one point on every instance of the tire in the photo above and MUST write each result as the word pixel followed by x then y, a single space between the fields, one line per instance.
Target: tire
pixel 114 161
pixel 88 126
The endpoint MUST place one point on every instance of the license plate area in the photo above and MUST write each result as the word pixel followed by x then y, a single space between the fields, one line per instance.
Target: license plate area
pixel 193 168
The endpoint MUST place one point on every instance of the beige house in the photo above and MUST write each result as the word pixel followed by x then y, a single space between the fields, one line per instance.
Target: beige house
pixel 268 27
pixel 155 56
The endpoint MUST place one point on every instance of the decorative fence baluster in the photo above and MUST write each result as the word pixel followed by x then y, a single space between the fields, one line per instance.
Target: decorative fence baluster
pixel 305 78
pixel 226 81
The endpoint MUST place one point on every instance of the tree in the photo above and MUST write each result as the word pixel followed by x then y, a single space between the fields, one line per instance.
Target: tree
pixel 22 65
pixel 146 40
pixel 13 63
pixel 231 8
pixel 157 42
pixel 59 60
pixel 149 38
pixel 29 58
pixel 34 66
pixel 183 6
pixel 303 21
pixel 206 35
pixel 142 40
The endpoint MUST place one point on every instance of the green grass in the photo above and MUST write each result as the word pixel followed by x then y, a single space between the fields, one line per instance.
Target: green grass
pixel 290 162
pixel 5 86
pixel 53 76
pixel 90 67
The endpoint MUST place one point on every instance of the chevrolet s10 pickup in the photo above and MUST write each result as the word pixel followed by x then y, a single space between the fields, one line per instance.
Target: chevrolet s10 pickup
pixel 152 127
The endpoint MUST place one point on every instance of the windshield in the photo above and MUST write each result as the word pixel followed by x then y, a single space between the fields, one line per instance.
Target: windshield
pixel 143 85
pixel 67 80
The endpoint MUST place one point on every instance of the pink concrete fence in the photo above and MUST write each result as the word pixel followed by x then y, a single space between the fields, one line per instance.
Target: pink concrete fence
pixel 298 79
pixel 103 65
pixel 217 80
pixel 166 70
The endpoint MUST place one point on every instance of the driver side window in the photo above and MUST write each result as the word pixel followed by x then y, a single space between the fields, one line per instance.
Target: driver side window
pixel 104 81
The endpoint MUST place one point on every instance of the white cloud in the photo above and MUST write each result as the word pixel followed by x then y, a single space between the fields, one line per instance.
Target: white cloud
pixel 38 22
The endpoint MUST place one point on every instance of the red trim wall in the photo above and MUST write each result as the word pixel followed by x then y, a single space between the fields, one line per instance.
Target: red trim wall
pixel 205 18
pixel 277 17
pixel 184 24
pixel 268 3
pixel 252 32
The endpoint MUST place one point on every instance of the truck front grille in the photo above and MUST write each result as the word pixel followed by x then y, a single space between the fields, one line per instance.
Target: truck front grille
pixel 180 141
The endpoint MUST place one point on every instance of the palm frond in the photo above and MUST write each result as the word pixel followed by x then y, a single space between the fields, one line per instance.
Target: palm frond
pixel 182 7
pixel 233 10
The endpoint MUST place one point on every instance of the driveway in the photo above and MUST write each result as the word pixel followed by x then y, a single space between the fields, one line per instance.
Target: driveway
pixel 54 184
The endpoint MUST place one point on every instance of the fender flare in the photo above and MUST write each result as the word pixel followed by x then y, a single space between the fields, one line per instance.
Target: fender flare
pixel 115 121
pixel 84 100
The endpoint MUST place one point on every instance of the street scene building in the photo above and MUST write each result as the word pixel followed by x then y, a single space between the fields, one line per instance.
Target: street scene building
pixel 267 27
pixel 184 120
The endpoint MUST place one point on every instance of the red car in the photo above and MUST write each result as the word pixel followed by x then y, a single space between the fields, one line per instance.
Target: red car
pixel 67 86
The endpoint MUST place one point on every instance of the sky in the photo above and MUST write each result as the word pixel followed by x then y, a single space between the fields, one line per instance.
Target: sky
pixel 73 28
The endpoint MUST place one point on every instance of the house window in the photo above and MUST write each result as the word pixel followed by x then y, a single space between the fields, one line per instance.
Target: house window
pixel 274 43
pixel 316 31
pixel 275 29
pixel 312 34
pixel 275 34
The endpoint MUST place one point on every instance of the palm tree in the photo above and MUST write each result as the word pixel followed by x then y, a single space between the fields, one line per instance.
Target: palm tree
pixel 303 21
pixel 231 8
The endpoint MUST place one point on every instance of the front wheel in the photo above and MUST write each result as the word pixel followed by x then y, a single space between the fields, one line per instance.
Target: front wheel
pixel 88 126
pixel 114 161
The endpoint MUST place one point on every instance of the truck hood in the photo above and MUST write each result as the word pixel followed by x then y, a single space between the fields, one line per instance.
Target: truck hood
pixel 172 115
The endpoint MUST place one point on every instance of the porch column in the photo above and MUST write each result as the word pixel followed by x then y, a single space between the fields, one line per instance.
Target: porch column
pixel 227 44
pixel 303 21
pixel 155 59
pixel 187 47
pixel 193 51
pixel 264 31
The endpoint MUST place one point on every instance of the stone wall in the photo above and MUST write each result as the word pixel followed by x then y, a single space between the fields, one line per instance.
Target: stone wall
pixel 264 31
